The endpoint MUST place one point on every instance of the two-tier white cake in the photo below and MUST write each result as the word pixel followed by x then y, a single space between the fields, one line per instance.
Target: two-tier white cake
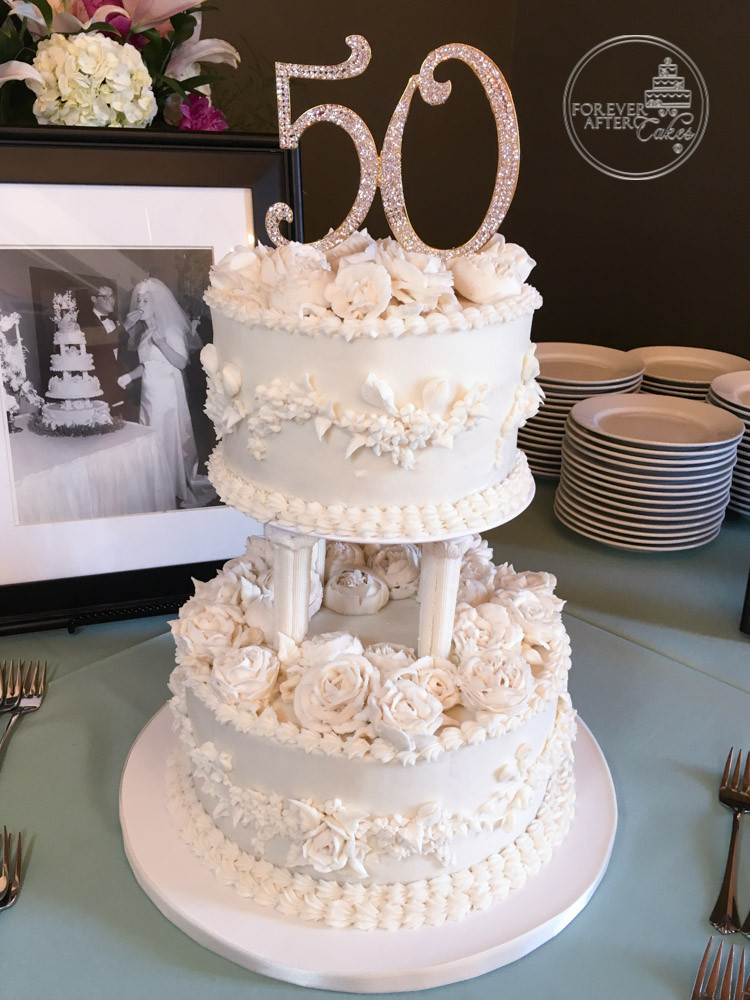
pixel 373 719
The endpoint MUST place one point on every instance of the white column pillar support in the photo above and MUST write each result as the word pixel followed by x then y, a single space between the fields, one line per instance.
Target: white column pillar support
pixel 292 561
pixel 441 567
pixel 319 558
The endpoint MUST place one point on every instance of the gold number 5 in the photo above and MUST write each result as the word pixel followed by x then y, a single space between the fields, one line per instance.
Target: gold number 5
pixel 386 169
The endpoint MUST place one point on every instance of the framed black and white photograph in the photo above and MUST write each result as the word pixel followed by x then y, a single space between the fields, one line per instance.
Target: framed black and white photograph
pixel 105 251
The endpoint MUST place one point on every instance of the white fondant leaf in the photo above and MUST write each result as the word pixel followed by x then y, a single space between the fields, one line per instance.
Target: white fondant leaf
pixel 321 426
pixel 444 441
pixel 357 442
pixel 209 359
pixel 231 376
pixel 377 391
pixel 436 394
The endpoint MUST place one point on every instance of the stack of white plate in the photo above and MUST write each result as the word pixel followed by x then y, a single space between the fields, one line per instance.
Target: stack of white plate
pixel 685 371
pixel 732 393
pixel 568 374
pixel 647 472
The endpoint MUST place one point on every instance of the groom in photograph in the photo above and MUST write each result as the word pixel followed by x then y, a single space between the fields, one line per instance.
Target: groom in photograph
pixel 107 342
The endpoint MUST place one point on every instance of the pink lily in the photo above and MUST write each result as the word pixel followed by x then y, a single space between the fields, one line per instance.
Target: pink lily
pixel 146 14
pixel 64 22
pixel 14 70
pixel 197 50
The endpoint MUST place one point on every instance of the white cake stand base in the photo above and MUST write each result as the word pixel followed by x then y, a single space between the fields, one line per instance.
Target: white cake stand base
pixel 376 961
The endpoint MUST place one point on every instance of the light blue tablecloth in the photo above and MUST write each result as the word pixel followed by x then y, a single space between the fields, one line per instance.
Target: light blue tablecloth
pixel 661 676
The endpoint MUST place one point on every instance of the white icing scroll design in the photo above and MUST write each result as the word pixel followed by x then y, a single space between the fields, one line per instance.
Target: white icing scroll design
pixel 398 431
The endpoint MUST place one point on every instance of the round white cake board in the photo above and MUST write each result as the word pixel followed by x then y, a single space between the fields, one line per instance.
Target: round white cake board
pixel 377 961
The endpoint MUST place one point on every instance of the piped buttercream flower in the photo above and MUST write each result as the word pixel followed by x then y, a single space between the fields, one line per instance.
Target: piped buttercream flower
pixel 495 680
pixel 333 696
pixel 245 677
pixel 495 273
pixel 355 592
pixel 404 713
pixel 359 291
pixel 296 276
pixel 343 555
pixel 398 568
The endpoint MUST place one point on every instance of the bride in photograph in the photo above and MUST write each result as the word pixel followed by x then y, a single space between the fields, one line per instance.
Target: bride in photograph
pixel 164 338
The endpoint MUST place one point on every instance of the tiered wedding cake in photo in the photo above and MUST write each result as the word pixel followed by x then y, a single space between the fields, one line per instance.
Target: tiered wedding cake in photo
pixel 374 729
pixel 73 406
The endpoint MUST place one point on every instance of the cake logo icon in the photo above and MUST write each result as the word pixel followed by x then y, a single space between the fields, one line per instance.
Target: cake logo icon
pixel 628 130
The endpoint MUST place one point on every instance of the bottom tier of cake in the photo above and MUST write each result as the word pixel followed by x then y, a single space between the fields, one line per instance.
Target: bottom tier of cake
pixel 347 780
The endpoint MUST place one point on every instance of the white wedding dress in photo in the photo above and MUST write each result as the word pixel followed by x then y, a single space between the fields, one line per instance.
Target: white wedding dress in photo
pixel 164 409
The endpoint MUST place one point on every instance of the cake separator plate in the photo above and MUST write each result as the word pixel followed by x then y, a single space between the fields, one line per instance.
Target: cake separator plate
pixel 376 961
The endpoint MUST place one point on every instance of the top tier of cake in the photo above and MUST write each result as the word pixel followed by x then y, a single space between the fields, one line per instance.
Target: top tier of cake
pixel 372 393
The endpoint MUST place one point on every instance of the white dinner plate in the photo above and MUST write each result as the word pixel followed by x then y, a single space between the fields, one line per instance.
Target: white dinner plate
pixel 641 532
pixel 734 388
pixel 564 362
pixel 647 485
pixel 641 491
pixel 634 546
pixel 577 390
pixel 657 510
pixel 610 493
pixel 642 457
pixel 665 421
pixel 630 471
pixel 688 364
pixel 625 522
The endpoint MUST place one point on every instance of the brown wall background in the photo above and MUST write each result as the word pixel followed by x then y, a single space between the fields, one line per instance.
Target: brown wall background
pixel 624 263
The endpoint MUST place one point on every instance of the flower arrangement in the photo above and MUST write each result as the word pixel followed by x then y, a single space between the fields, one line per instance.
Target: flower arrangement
pixel 13 365
pixel 132 64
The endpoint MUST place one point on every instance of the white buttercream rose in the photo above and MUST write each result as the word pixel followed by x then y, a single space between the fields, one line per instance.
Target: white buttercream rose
pixel 507 578
pixel 421 283
pixel 240 270
pixel 350 249
pixel 537 613
pixel 495 680
pixel 224 588
pixel 404 714
pixel 398 567
pixel 295 276
pixel 435 675
pixel 332 697
pixel 359 291
pixel 257 606
pixel 389 657
pixel 327 646
pixel 330 838
pixel 473 591
pixel 343 555
pixel 256 560
pixel 505 627
pixel 497 272
pixel 245 677
pixel 355 592
pixel 470 631
pixel 203 629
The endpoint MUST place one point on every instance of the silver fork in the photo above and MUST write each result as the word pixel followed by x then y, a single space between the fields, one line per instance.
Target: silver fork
pixel 734 793
pixel 10 875
pixel 707 989
pixel 10 685
pixel 33 688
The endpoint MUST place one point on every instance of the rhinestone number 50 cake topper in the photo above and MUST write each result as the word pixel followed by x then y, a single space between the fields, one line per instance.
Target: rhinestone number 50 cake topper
pixel 384 171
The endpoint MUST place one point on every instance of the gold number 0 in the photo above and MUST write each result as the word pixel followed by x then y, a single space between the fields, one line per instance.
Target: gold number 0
pixel 386 170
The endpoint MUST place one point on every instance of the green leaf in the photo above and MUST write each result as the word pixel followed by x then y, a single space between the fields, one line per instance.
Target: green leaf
pixel 104 26
pixel 46 12
pixel 173 85
pixel 193 82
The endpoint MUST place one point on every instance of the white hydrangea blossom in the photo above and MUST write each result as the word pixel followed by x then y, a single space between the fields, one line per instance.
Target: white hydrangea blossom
pixel 89 79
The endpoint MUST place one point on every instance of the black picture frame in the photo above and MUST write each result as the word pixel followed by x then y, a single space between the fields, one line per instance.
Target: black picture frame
pixel 91 156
